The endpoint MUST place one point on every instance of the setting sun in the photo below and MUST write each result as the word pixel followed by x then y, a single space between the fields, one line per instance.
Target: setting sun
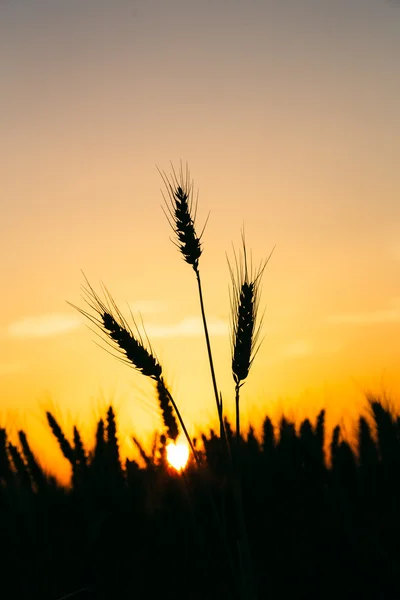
pixel 177 455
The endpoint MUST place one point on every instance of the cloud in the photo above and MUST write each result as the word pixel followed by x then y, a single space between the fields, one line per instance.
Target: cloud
pixel 188 327
pixel 44 325
pixel 375 317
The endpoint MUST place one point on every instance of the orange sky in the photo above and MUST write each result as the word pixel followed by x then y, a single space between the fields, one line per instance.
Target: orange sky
pixel 287 114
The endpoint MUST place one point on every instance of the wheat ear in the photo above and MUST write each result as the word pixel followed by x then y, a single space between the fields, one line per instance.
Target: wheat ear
pixel 109 319
pixel 245 326
pixel 181 210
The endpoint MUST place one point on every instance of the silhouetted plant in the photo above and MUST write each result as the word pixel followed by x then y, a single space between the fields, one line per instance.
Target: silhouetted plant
pixel 181 215
pixel 334 445
pixel 386 429
pixel 169 419
pixel 320 433
pixel 64 444
pixel 112 442
pixel 5 466
pixel 33 467
pixel 339 531
pixel 79 450
pixel 20 467
pixel 131 346
pixel 367 450
pixel 245 298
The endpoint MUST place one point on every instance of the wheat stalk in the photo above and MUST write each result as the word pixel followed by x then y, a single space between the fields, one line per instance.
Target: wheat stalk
pixel 245 298
pixel 181 211
pixel 20 466
pixel 64 444
pixel 34 468
pixel 109 319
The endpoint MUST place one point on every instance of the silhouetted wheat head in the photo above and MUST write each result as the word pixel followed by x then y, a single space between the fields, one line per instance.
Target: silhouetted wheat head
pixel 245 326
pixel 245 299
pixel 181 211
pixel 5 465
pixel 100 443
pixel 386 429
pixel 367 450
pixel 130 344
pixel 64 444
pixel 20 467
pixel 169 419
pixel 34 469
pixel 79 449
pixel 110 321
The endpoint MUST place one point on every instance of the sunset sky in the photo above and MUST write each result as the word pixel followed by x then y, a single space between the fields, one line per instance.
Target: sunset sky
pixel 287 113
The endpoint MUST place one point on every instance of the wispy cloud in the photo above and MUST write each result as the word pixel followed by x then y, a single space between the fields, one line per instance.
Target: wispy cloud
pixel 44 325
pixel 374 317
pixel 188 327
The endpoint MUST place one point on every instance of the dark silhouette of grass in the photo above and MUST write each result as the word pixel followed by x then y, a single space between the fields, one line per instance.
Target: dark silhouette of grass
pixel 319 525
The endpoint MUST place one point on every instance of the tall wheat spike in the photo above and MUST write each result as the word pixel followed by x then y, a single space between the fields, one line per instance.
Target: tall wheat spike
pixel 245 298
pixel 181 212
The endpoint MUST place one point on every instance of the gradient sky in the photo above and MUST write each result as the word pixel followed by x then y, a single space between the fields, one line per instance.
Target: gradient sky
pixel 288 116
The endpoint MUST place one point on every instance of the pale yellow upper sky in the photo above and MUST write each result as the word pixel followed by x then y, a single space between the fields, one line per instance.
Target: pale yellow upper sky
pixel 287 113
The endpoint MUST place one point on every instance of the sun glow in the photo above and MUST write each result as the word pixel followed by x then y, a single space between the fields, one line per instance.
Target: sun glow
pixel 177 455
